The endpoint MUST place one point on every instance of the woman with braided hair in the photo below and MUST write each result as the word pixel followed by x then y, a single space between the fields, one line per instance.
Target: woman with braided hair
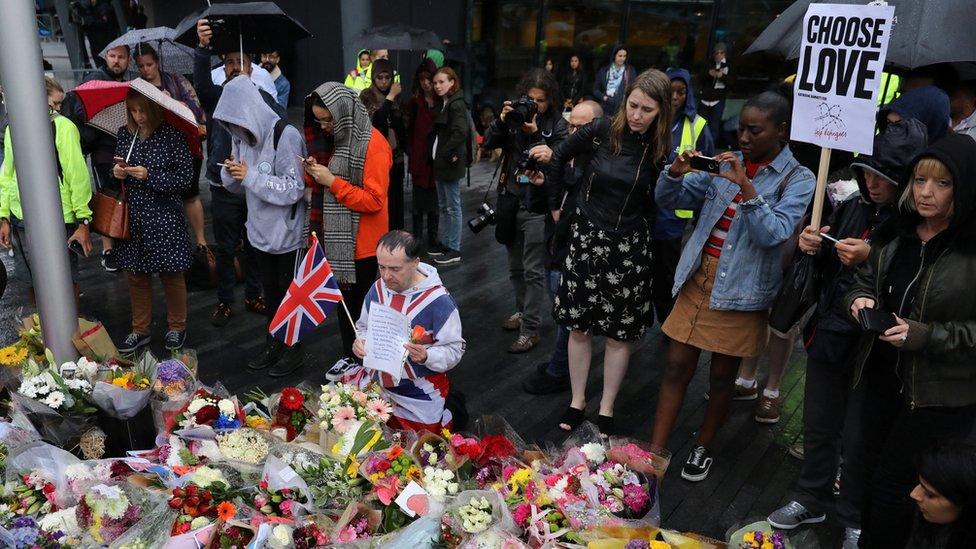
pixel 349 200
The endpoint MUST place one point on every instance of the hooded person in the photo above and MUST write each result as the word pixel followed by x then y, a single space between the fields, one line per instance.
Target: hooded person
pixel 830 336
pixel 436 346
pixel 265 165
pixel 929 105
pixel 361 77
pixel 689 132
pixel 349 194
pixel 385 106
pixel 917 378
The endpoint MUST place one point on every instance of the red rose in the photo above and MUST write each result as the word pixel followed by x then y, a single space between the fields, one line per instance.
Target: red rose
pixel 496 447
pixel 263 485
pixel 206 415
pixel 292 399
pixel 48 488
pixel 383 466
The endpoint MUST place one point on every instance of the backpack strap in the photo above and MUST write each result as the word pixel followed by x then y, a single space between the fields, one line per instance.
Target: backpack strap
pixel 279 129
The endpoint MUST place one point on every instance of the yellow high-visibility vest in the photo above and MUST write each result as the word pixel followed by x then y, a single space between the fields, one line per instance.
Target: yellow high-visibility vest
pixel 689 138
pixel 889 88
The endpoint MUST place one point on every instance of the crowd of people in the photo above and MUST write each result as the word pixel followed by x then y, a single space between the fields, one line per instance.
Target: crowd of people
pixel 618 201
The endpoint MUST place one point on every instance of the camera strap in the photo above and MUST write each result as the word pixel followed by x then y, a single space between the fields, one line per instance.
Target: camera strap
pixel 494 175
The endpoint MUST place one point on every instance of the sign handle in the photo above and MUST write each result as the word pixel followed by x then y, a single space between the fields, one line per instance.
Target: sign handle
pixel 821 192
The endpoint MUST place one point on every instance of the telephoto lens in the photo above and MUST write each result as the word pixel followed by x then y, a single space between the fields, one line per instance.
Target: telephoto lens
pixel 485 217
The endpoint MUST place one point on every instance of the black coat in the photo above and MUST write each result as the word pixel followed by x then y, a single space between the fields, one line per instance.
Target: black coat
pixel 573 86
pixel 552 131
pixel 452 132
pixel 618 191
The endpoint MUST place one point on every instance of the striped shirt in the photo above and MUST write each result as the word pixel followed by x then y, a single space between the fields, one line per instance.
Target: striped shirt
pixel 716 239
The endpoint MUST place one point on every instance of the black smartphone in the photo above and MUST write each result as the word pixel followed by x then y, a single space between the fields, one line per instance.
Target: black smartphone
pixel 705 164
pixel 76 247
pixel 876 320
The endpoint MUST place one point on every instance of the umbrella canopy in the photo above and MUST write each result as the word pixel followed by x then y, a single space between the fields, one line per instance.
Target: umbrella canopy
pixel 925 32
pixel 104 104
pixel 260 26
pixel 396 37
pixel 173 57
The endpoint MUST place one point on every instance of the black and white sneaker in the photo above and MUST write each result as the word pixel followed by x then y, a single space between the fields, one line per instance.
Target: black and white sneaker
pixel 109 261
pixel 340 368
pixel 437 250
pixel 174 340
pixel 792 515
pixel 698 464
pixel 133 342
pixel 450 257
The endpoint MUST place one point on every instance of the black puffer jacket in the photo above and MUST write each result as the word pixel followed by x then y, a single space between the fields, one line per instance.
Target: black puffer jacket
pixel 552 131
pixel 936 362
pixel 617 193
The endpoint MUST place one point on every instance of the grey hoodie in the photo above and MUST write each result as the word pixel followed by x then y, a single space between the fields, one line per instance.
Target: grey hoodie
pixel 274 185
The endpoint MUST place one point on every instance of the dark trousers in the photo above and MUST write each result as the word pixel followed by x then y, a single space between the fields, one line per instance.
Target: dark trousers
pixel 277 272
pixel 229 212
pixel 559 360
pixel 831 428
pixel 353 295
pixel 395 196
pixel 665 254
pixel 714 117
pixel 893 435
pixel 432 226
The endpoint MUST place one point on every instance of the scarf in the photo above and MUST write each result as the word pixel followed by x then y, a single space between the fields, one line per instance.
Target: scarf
pixel 351 134
pixel 614 77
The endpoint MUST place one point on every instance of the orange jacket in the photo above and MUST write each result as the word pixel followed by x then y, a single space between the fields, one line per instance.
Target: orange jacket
pixel 369 200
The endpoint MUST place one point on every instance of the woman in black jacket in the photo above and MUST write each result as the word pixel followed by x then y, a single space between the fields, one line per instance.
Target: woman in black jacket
pixel 606 286
pixel 452 130
pixel 612 80
pixel 918 380
pixel 573 82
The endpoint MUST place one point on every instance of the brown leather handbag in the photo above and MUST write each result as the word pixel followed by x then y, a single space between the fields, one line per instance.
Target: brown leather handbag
pixel 110 215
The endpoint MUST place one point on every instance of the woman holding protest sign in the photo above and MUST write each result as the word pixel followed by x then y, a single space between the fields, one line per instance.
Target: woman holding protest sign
pixel 731 268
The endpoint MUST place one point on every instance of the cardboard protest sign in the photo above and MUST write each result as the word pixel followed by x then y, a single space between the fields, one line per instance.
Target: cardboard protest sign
pixel 842 55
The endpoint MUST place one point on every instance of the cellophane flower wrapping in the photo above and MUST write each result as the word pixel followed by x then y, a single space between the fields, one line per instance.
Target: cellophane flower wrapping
pixel 174 380
pixel 277 476
pixel 122 403
pixel 61 429
pixel 150 532
pixel 208 412
pixel 106 512
pixel 331 486
pixel 481 530
pixel 47 461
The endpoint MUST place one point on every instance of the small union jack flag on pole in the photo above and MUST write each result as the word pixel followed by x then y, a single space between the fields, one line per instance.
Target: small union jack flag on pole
pixel 311 297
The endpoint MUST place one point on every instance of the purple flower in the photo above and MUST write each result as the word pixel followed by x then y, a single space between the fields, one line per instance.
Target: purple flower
pixel 171 370
pixel 637 544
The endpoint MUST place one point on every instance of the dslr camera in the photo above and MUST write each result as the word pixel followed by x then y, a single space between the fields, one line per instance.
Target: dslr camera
pixel 486 216
pixel 522 111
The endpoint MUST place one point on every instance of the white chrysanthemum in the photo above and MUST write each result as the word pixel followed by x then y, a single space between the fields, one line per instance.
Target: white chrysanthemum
pixel 594 452
pixel 195 405
pixel 54 400
pixel 87 368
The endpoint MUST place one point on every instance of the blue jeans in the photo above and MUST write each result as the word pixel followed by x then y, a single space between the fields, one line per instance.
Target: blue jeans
pixel 449 199
pixel 559 361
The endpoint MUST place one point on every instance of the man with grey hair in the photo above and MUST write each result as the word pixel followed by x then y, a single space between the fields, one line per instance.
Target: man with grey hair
pixel 552 376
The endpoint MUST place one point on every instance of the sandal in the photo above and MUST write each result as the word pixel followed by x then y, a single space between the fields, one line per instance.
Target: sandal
pixel 605 425
pixel 256 305
pixel 572 417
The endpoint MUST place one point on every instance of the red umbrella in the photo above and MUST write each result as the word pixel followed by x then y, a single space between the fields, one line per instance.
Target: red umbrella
pixel 104 104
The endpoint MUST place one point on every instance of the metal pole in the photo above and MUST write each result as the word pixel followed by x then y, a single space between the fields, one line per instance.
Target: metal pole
pixel 69 32
pixel 120 17
pixel 30 128
pixel 354 16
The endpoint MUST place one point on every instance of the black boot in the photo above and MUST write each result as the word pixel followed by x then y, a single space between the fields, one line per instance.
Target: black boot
pixel 292 359
pixel 269 355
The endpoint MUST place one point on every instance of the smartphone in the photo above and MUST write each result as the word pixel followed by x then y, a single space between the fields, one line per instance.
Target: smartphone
pixel 302 158
pixel 121 161
pixel 705 164
pixel 828 237
pixel 876 320
pixel 76 247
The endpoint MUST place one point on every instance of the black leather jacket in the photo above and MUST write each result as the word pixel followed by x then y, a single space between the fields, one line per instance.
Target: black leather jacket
pixel 552 131
pixel 617 192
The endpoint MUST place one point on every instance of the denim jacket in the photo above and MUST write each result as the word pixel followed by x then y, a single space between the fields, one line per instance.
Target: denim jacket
pixel 750 270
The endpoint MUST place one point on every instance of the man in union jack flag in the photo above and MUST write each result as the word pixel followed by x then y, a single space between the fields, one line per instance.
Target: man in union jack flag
pixel 414 289
pixel 311 297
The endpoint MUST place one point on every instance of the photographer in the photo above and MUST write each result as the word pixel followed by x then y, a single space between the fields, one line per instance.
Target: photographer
pixel 534 119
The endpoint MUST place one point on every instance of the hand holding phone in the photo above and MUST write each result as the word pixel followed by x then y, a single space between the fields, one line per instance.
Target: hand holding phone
pixel 121 161
pixel 826 236
pixel 76 248
pixel 705 164
pixel 876 320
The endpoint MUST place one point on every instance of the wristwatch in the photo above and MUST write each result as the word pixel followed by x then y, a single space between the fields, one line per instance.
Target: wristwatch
pixel 85 221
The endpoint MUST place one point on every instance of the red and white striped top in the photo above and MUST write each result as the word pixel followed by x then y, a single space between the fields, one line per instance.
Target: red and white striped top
pixel 716 239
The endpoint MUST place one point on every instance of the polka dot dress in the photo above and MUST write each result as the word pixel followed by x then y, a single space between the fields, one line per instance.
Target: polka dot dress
pixel 158 242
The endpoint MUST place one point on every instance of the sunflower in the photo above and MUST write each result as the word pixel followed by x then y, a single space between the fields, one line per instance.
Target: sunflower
pixel 12 356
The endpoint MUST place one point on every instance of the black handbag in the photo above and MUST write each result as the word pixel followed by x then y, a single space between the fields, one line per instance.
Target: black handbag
pixel 798 294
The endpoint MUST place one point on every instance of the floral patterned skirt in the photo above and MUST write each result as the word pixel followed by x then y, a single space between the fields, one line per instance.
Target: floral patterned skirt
pixel 606 284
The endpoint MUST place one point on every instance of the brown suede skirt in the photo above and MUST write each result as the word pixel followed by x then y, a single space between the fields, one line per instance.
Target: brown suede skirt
pixel 693 322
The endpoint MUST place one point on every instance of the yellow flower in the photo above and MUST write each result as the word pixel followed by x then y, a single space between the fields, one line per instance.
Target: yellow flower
pixel 12 356
pixel 120 382
pixel 353 468
pixel 413 473
pixel 767 545
pixel 749 538
pixel 446 433
pixel 519 479
pixel 543 498
pixel 255 422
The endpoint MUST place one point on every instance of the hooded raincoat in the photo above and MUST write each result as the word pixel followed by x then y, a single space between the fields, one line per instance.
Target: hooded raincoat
pixel 274 186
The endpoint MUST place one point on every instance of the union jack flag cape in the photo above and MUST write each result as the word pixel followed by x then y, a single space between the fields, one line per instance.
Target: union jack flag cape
pixel 313 294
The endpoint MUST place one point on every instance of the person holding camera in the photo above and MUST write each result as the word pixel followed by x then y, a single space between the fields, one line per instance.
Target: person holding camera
pixel 534 119
pixel 914 362
pixel 452 130
pixel 606 283
pixel 730 270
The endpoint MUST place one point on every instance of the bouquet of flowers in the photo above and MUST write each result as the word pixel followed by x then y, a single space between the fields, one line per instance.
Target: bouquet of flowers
pixel 106 512
pixel 57 393
pixel 639 456
pixel 440 483
pixel 357 522
pixel 83 475
pixel 432 450
pixel 281 492
pixel 244 445
pixel 173 379
pixel 232 534
pixel 33 493
pixel 309 535
pixel 329 484
pixel 389 471
pixel 56 406
pixel 26 533
pixel 341 406
pixel 63 522
pixel 623 492
pixel 181 455
pixel 124 392
pixel 206 497
pixel 478 519
pixel 208 410
pixel 291 414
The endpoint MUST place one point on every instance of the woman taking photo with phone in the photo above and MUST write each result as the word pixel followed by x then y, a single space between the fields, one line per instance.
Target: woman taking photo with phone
pixel 154 163
pixel 606 285
pixel 918 378
pixel 730 270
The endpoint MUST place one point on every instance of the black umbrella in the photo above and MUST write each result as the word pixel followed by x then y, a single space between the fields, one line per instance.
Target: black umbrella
pixel 396 37
pixel 254 26
pixel 925 32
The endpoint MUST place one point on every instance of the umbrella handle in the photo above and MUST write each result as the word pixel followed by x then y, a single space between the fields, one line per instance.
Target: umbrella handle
pixel 132 146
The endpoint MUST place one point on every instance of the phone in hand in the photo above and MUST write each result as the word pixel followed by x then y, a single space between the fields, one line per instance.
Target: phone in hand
pixel 704 164
pixel 876 320
pixel 121 161
pixel 77 248
pixel 826 236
